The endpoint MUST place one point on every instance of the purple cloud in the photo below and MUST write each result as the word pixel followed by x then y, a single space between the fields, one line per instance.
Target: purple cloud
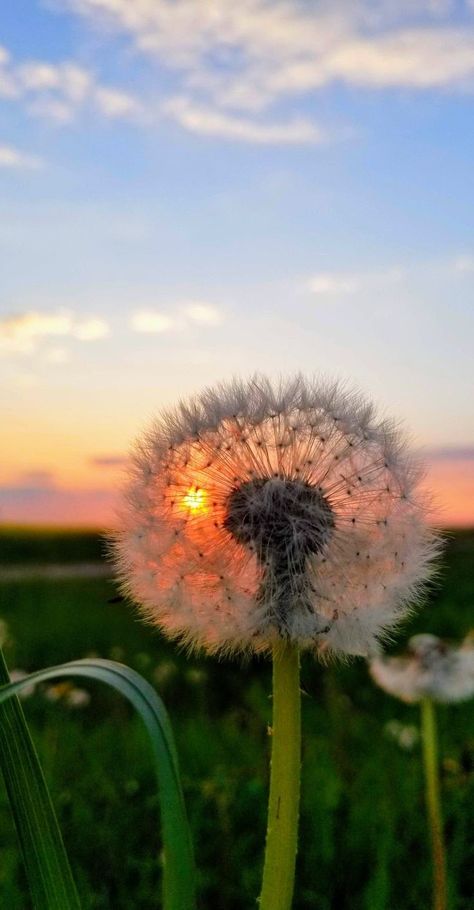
pixel 107 461
pixel 37 504
pixel 451 453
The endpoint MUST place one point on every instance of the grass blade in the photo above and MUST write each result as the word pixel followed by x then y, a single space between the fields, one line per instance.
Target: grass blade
pixel 178 872
pixel 46 863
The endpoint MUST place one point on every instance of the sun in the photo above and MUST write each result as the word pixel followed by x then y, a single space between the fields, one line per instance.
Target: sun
pixel 195 500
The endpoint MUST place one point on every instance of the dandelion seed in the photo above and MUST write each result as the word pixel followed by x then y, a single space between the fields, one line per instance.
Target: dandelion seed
pixel 258 512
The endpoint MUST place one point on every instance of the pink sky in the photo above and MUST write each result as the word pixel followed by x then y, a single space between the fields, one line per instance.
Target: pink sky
pixel 36 499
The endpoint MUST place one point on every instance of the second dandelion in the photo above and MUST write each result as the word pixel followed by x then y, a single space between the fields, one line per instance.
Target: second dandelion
pixel 431 671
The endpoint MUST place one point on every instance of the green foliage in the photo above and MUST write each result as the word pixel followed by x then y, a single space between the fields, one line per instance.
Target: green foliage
pixel 178 866
pixel 363 841
pixel 45 861
pixel 48 545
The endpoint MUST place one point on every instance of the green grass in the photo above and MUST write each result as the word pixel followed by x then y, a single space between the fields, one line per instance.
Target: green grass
pixel 363 844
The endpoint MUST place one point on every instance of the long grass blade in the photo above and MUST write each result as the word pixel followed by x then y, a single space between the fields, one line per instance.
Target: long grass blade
pixel 46 863
pixel 178 870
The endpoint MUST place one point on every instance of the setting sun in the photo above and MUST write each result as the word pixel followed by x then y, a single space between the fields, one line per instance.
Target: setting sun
pixel 195 500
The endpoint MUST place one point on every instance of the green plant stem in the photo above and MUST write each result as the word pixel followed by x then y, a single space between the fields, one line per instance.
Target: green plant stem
pixel 433 802
pixel 283 805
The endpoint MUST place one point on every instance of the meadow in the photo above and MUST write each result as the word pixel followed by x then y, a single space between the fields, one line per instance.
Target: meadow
pixel 363 842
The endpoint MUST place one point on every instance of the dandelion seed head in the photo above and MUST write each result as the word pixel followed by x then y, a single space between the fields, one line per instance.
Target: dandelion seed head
pixel 431 668
pixel 256 511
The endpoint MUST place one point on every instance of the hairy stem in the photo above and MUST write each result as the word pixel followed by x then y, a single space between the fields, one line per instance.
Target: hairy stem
pixel 433 803
pixel 283 805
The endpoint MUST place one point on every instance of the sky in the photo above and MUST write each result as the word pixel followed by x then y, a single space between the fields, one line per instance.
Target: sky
pixel 196 189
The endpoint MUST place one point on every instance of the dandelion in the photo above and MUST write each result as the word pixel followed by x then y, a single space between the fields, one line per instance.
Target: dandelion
pixel 273 518
pixel 431 671
pixel 256 513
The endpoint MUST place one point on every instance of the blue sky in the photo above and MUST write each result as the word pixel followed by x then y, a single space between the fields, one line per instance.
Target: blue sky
pixel 193 189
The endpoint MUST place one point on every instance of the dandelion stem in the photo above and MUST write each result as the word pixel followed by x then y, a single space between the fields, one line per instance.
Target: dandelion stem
pixel 283 804
pixel 433 802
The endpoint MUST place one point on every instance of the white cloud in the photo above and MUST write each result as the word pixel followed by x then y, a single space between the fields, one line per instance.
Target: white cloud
pixel 342 283
pixel 415 58
pixel 59 112
pixel 464 264
pixel 205 313
pixel 232 61
pixel 57 355
pixel 35 324
pixel 330 283
pixel 90 329
pixel 249 54
pixel 150 321
pixel 8 88
pixel 23 332
pixel 36 76
pixel 116 104
pixel 59 91
pixel 76 82
pixel 11 157
pixel 211 122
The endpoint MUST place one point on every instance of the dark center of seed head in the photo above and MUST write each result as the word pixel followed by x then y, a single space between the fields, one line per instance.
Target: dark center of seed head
pixel 283 521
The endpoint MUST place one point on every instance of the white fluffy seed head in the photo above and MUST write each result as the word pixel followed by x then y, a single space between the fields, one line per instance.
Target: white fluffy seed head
pixel 431 669
pixel 256 511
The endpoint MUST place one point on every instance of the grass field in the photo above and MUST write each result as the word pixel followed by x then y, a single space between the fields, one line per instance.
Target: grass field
pixel 363 843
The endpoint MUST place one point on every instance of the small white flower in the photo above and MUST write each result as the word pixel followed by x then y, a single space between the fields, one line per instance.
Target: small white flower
pixel 431 669
pixel 405 735
pixel 78 698
pixel 257 511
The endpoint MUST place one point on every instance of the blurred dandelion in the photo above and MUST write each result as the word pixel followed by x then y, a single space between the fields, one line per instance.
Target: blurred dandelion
pixel 431 671
pixel 71 695
pixel 262 517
